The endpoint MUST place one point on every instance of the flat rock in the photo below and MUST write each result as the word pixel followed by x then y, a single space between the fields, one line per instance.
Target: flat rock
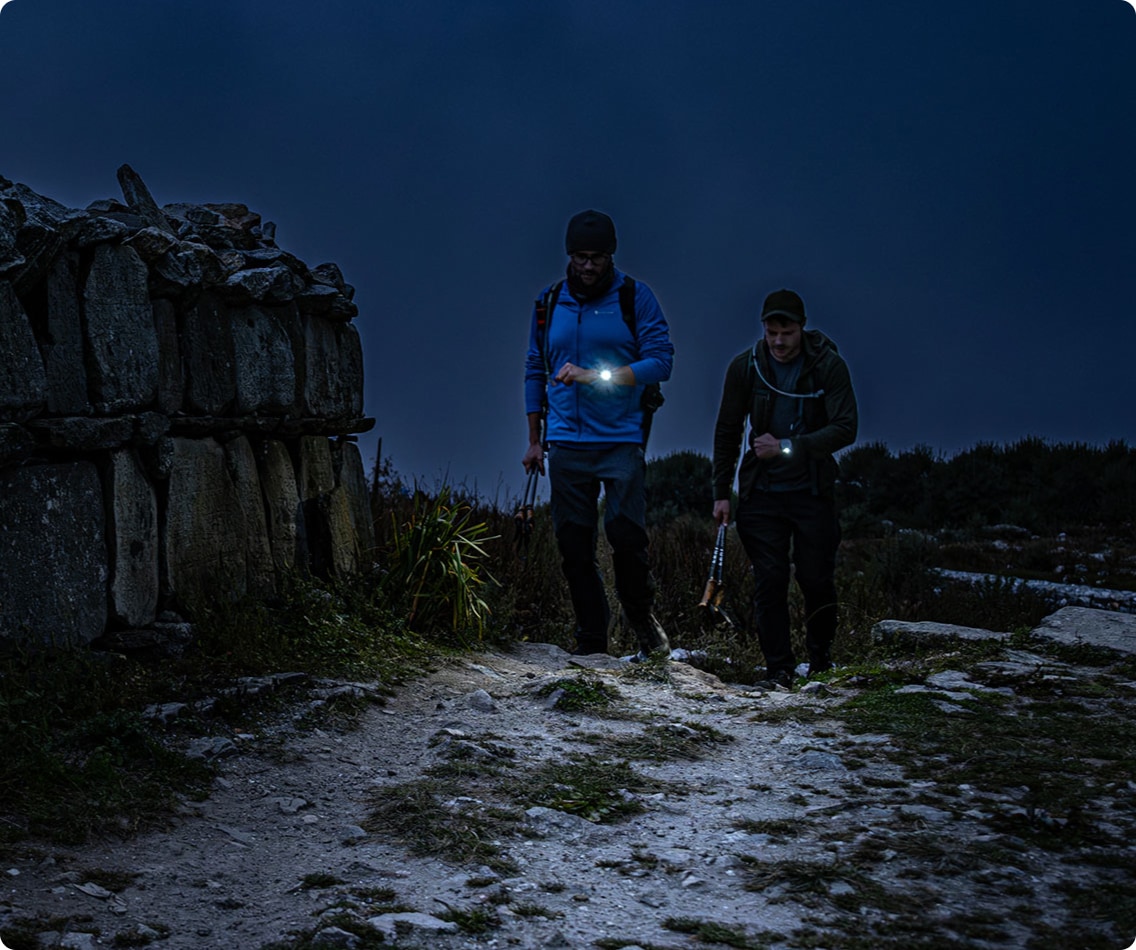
pixel 1080 626
pixel 889 631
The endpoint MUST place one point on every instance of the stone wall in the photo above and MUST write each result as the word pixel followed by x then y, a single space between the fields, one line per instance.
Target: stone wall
pixel 178 398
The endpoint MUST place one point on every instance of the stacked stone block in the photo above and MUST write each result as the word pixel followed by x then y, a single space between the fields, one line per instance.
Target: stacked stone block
pixel 178 403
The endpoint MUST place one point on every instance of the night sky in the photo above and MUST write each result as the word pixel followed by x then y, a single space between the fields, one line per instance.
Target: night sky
pixel 950 187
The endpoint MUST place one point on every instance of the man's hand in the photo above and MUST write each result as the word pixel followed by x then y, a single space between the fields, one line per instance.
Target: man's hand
pixel 534 458
pixel 722 511
pixel 616 375
pixel 571 373
pixel 766 446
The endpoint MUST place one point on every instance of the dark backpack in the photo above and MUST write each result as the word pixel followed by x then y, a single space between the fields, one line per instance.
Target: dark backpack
pixel 652 398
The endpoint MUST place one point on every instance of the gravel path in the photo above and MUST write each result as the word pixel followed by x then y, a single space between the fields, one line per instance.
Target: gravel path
pixel 758 817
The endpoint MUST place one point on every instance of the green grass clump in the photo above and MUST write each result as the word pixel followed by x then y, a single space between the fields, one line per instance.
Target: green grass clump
pixel 709 932
pixel 672 740
pixel 580 693
pixel 428 818
pixel 596 790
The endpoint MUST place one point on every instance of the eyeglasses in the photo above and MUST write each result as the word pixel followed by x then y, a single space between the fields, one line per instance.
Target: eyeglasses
pixel 582 260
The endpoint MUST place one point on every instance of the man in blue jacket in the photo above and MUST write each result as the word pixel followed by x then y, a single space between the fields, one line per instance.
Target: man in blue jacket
pixel 589 362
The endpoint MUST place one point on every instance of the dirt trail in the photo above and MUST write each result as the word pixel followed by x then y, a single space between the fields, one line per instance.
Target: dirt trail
pixel 756 835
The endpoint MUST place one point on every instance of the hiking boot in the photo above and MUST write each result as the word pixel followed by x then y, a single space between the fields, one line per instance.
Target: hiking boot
pixel 650 634
pixel 586 646
pixel 820 661
pixel 775 681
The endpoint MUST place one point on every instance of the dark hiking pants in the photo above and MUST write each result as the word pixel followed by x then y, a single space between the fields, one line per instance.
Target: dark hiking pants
pixel 576 476
pixel 782 528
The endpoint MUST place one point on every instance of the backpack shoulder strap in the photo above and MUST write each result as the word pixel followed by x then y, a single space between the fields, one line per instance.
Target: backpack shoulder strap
pixel 545 305
pixel 627 305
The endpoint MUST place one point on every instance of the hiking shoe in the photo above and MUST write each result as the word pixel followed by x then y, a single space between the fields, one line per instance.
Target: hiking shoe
pixel 650 634
pixel 820 661
pixel 588 650
pixel 776 681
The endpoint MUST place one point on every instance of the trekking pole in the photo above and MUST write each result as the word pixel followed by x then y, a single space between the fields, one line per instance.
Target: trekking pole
pixel 525 514
pixel 715 591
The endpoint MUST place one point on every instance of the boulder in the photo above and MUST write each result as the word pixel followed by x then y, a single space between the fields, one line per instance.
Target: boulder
pixel 334 380
pixel 11 259
pixel 351 474
pixel 121 342
pixel 203 547
pixel 42 229
pixel 1087 626
pixel 260 574
pixel 62 347
pixel 82 433
pixel 133 537
pixel 140 201
pixel 926 631
pixel 265 367
pixel 282 506
pixel 171 375
pixel 53 588
pixel 317 474
pixel 339 530
pixel 209 361
pixel 16 443
pixel 23 382
pixel 215 538
pixel 151 243
pixel 274 284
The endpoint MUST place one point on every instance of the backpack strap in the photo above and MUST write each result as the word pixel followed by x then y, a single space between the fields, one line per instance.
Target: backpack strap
pixel 545 306
pixel 652 398
pixel 627 305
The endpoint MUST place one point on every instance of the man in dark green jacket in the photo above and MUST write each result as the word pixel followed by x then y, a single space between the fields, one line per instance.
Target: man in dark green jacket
pixel 795 390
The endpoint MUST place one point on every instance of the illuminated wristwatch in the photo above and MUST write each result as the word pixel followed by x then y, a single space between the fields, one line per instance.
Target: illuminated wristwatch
pixel 786 446
pixel 605 375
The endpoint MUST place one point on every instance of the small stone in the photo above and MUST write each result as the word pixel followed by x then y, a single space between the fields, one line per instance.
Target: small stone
pixel 815 761
pixel 290 806
pixel 336 937
pixel 78 941
pixel 214 748
pixel 392 926
pixel 480 700
pixel 352 834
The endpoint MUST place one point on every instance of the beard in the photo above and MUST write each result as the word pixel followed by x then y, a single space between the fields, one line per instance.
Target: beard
pixel 598 288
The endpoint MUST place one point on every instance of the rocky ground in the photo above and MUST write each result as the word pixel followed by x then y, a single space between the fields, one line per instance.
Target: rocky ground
pixel 536 800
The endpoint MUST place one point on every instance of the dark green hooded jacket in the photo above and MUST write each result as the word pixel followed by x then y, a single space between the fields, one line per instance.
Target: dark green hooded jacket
pixel 829 422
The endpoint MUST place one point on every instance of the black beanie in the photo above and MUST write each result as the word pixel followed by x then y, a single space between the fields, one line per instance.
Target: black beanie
pixel 784 304
pixel 590 231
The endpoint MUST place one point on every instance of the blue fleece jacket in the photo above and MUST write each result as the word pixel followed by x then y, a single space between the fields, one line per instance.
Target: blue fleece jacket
pixel 594 335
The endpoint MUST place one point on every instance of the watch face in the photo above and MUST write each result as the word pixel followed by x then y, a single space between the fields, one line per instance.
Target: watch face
pixel 786 447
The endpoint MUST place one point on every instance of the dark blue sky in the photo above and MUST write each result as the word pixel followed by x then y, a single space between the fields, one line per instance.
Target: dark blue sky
pixel 950 187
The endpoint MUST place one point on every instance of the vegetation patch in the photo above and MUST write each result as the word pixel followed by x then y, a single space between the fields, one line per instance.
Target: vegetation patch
pixel 672 740
pixel 319 881
pixel 440 819
pixel 473 920
pixel 597 790
pixel 709 932
pixel 580 693
pixel 1066 755
pixel 778 829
